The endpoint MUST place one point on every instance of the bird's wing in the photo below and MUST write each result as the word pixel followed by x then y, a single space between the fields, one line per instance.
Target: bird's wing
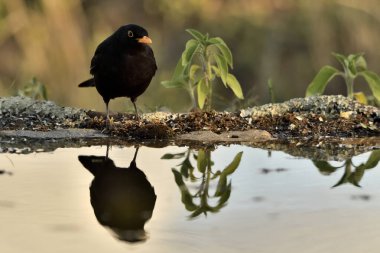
pixel 99 55
pixel 95 61
pixel 151 55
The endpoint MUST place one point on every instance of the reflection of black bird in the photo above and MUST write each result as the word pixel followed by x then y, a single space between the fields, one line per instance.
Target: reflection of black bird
pixel 123 65
pixel 122 198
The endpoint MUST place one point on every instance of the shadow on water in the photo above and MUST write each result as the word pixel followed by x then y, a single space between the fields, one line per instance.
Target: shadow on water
pixel 202 177
pixel 122 198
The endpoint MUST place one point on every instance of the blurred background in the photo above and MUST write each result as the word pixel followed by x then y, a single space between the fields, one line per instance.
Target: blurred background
pixel 286 41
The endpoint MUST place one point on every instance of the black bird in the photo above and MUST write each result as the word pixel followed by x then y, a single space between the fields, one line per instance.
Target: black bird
pixel 123 65
pixel 122 198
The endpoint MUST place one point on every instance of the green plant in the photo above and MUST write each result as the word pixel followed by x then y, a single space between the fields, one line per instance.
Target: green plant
pixel 33 89
pixel 203 60
pixel 271 91
pixel 352 174
pixel 198 201
pixel 354 65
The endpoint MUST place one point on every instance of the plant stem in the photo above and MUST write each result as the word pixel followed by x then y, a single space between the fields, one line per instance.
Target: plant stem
pixel 271 92
pixel 208 171
pixel 205 68
pixel 350 86
pixel 191 91
pixel 209 104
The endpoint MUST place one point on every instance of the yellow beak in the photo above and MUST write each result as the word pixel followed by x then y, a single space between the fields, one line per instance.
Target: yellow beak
pixel 145 40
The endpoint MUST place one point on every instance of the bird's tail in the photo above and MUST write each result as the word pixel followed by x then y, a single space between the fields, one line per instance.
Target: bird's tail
pixel 87 83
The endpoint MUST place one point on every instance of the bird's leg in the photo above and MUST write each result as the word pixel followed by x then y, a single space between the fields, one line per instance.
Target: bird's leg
pixel 108 117
pixel 134 104
pixel 134 157
pixel 108 146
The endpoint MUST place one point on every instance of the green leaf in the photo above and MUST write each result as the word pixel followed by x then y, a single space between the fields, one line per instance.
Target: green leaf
pixel 178 71
pixel 224 196
pixel 223 48
pixel 373 160
pixel 345 178
pixel 234 84
pixel 186 167
pixel 221 187
pixel 196 34
pixel 233 165
pixel 186 197
pixel 356 177
pixel 318 85
pixel 190 50
pixel 324 167
pixel 341 59
pixel 216 174
pixel 202 161
pixel 361 64
pixel 352 58
pixel 173 84
pixel 222 66
pixel 173 156
pixel 202 91
pixel 226 53
pixel 193 70
pixel 216 71
pixel 348 63
pixel 373 81
pixel 216 40
pixel 197 212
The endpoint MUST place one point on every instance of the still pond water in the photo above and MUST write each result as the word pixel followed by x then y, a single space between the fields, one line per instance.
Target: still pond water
pixel 77 200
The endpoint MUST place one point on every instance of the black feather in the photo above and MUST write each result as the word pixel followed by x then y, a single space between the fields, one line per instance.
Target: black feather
pixel 87 83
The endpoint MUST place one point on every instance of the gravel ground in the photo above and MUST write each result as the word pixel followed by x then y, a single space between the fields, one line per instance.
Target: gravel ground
pixel 326 127
pixel 336 116
pixel 313 117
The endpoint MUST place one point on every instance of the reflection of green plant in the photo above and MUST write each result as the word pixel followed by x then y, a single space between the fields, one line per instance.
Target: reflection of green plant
pixel 204 59
pixel 349 176
pixel 34 89
pixel 206 178
pixel 354 66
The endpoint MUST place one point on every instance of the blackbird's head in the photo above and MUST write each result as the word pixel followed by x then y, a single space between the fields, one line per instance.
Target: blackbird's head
pixel 133 35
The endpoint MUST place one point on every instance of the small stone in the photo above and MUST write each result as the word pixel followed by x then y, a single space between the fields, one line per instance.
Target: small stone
pixel 346 115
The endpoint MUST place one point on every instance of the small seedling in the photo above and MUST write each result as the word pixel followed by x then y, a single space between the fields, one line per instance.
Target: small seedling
pixel 271 91
pixel 33 89
pixel 354 65
pixel 204 60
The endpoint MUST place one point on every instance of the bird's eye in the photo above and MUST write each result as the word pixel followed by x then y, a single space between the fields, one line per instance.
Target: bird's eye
pixel 130 34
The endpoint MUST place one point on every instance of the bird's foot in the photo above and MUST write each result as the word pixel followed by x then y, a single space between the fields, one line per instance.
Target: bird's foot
pixel 105 130
pixel 109 125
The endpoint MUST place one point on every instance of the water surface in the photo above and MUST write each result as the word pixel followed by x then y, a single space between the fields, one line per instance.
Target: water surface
pixel 267 202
